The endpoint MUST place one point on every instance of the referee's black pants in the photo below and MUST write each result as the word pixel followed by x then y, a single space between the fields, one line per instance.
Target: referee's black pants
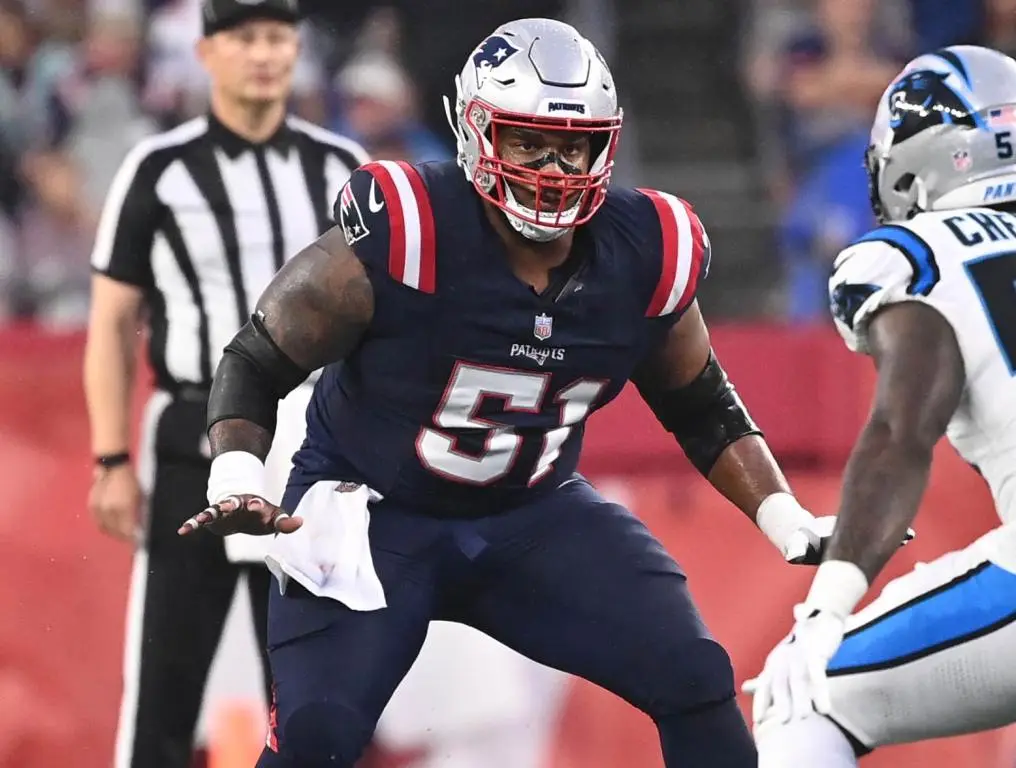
pixel 181 591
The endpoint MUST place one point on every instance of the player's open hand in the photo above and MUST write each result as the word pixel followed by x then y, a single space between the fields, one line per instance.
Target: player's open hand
pixel 242 514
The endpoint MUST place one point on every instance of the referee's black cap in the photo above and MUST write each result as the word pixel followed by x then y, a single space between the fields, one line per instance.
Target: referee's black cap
pixel 218 15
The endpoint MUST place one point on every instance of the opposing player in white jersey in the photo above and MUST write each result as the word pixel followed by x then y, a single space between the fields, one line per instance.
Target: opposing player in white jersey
pixel 930 296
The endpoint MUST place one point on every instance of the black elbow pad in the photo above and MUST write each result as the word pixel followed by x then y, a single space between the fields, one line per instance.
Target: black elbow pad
pixel 705 416
pixel 252 377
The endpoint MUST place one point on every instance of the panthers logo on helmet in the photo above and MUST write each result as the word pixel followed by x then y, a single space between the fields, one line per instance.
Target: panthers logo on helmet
pixel 923 99
pixel 491 54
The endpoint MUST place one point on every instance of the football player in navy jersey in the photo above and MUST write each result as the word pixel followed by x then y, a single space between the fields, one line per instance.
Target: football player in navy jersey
pixel 482 309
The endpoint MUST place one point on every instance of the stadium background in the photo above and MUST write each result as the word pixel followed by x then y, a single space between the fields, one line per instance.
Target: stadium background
pixel 754 111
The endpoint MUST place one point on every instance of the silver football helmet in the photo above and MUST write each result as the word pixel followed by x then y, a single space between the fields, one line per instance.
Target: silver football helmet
pixel 542 75
pixel 945 134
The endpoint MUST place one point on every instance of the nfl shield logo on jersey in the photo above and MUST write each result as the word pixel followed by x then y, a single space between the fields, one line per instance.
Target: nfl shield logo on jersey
pixel 543 327
pixel 961 160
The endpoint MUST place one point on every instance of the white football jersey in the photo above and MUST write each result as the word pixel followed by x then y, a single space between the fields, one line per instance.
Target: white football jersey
pixel 963 263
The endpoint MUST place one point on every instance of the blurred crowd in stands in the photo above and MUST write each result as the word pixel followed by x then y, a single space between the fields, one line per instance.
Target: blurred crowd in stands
pixel 815 70
pixel 82 80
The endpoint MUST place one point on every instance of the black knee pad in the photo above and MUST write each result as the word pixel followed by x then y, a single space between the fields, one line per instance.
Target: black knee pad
pixel 691 676
pixel 325 735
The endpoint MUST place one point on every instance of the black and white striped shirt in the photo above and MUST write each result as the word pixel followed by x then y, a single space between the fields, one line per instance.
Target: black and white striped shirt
pixel 200 219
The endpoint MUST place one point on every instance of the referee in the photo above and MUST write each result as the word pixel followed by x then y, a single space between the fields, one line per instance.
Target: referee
pixel 196 223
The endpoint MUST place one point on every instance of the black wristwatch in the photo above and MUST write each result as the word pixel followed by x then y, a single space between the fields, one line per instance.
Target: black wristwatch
pixel 111 460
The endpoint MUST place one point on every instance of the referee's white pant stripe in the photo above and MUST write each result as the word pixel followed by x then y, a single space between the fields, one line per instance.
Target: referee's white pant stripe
pixel 133 639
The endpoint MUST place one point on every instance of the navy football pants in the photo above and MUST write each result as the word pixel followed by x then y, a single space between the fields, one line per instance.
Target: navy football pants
pixel 571 581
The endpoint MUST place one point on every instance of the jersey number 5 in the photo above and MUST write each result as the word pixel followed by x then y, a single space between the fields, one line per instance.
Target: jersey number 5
pixel 469 386
pixel 994 277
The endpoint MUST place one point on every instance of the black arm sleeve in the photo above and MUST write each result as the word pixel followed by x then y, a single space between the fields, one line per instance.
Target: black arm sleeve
pixel 252 377
pixel 705 416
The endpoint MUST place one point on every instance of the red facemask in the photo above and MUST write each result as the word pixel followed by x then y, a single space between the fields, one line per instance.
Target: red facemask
pixel 562 199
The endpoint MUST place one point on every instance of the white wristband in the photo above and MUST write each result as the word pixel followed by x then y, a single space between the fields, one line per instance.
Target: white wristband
pixel 234 473
pixel 780 516
pixel 838 587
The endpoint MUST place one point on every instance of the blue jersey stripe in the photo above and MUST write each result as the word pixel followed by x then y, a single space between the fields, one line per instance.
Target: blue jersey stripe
pixel 916 251
pixel 965 608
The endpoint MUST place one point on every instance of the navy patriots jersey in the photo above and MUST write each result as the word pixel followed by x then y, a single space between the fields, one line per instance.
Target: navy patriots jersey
pixel 470 391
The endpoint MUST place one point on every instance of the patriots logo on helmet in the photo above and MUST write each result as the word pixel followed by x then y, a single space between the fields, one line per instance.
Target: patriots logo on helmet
pixel 491 53
pixel 350 218
pixel 922 99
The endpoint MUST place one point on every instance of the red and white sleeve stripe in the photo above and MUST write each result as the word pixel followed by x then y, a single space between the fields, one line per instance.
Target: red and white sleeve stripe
pixel 684 247
pixel 412 246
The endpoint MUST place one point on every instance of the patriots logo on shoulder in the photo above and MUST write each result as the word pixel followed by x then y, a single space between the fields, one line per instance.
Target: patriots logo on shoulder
pixel 350 217
pixel 491 53
pixel 847 299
